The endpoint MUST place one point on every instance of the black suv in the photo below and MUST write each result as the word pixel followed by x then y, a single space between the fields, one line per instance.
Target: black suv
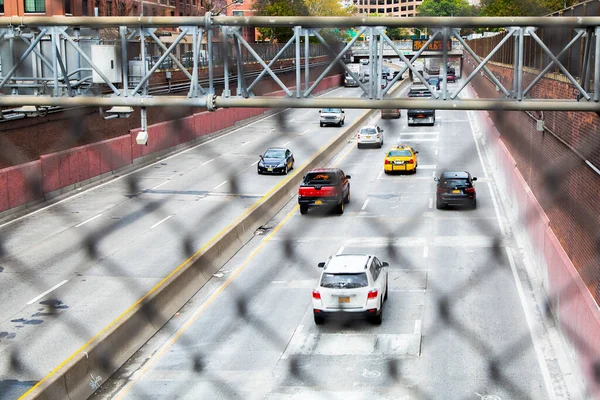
pixel 455 189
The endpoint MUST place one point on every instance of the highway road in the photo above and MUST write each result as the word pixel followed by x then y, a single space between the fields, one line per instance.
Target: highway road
pixel 460 323
pixel 55 296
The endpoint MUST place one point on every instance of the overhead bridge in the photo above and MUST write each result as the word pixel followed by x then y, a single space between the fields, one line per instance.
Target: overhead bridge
pixel 35 52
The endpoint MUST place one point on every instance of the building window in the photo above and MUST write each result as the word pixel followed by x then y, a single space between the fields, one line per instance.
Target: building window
pixel 396 9
pixel 380 11
pixel 67 6
pixel 389 10
pixel 172 13
pixel 146 11
pixel 236 13
pixel 403 8
pixel 1 6
pixel 410 15
pixel 154 13
pixel 410 7
pixel 84 7
pixel 34 6
pixel 109 8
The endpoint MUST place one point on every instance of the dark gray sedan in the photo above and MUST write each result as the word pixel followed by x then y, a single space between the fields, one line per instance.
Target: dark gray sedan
pixel 276 160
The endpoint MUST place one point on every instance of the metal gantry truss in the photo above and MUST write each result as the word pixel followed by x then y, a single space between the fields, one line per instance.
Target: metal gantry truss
pixel 68 84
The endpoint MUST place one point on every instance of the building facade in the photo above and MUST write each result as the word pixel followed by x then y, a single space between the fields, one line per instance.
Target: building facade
pixel 105 7
pixel 394 8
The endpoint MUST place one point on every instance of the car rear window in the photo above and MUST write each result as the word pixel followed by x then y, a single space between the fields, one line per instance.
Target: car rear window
pixel 447 183
pixel 368 131
pixel 399 153
pixel 321 178
pixel 332 110
pixel 344 281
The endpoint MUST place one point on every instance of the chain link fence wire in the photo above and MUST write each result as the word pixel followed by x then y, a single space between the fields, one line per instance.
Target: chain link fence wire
pixel 497 361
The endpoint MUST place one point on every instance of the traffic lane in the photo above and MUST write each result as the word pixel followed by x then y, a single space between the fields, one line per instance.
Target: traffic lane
pixel 118 263
pixel 114 219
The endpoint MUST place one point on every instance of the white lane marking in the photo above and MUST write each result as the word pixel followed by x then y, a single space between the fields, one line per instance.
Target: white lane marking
pixel 364 206
pixel 139 169
pixel 296 333
pixel 428 166
pixel 340 250
pixel 206 162
pixel 421 140
pixel 537 343
pixel 160 222
pixel 306 113
pixel 219 185
pixel 254 163
pixel 433 174
pixel 380 172
pixel 305 132
pixel 286 143
pixel 245 143
pixel 436 152
pixel 425 251
pixel 160 184
pixel 30 302
pixel 87 220
pixel 279 282
pixel 419 133
pixel 299 329
pixel 418 325
pixel 292 120
pixel 272 130
pixel 430 202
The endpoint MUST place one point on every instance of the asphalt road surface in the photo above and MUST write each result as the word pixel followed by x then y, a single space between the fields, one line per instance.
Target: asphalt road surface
pixel 55 298
pixel 460 323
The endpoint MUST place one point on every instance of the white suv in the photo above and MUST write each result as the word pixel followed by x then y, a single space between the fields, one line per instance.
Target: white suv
pixel 355 285
pixel 370 135
pixel 332 116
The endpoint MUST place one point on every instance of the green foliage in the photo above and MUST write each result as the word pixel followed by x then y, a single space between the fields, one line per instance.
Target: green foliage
pixel 509 8
pixel 281 8
pixel 445 8
pixel 398 33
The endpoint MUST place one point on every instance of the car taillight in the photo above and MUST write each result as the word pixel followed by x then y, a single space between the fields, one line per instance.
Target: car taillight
pixel 316 295
pixel 387 161
pixel 411 161
pixel 470 190
pixel 378 135
pixel 373 294
pixel 358 136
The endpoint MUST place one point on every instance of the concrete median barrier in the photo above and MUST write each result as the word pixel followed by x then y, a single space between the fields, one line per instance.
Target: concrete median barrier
pixel 82 373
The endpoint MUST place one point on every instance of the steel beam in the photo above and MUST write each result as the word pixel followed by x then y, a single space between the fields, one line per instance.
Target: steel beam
pixel 597 65
pixel 23 57
pixel 272 62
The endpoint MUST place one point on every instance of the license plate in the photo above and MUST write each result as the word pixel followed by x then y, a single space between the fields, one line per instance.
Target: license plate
pixel 269 169
pixel 420 116
pixel 398 162
pixel 456 191
pixel 344 299
pixel 318 202
pixel 368 137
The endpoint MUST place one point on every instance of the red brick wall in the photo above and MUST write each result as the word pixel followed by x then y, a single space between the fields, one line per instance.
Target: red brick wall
pixel 567 188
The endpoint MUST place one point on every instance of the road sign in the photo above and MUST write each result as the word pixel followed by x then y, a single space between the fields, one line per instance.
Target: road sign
pixel 436 45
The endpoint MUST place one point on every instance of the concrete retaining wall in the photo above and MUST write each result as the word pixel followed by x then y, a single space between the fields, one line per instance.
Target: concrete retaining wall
pixel 573 305
pixel 105 353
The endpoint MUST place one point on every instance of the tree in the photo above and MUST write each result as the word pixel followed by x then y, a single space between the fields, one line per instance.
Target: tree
pixel 445 8
pixel 509 8
pixel 330 8
pixel 279 8
pixel 398 33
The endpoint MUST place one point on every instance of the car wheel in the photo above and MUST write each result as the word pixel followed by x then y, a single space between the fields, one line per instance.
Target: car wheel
pixel 303 209
pixel 321 124
pixel 285 171
pixel 474 204
pixel 359 146
pixel 319 320
pixel 378 319
pixel 340 208
pixel 258 170
pixel 347 199
pixel 386 291
pixel 439 205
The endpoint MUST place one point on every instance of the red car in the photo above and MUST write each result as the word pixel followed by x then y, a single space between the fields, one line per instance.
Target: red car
pixel 324 187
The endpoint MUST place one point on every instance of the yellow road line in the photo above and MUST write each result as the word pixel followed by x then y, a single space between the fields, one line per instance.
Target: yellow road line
pixel 127 388
pixel 204 306
pixel 158 285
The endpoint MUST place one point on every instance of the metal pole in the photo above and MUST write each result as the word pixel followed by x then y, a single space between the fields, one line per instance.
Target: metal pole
pixel 597 66
pixel 515 61
pixel 549 66
pixel 445 64
pixel 55 62
pixel 273 61
pixel 194 83
pixel 380 65
pixel 241 83
pixel 306 59
pixel 171 55
pixel 585 80
pixel 372 72
pixel 124 72
pixel 298 62
pixel 211 80
pixel 225 47
pixel 520 72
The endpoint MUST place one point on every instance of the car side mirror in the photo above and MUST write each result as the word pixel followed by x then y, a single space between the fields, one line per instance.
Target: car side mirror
pixel 474 178
pixel 416 152
pixel 385 264
pixel 348 177
pixel 436 179
pixel 343 112
pixel 321 264
pixel 319 111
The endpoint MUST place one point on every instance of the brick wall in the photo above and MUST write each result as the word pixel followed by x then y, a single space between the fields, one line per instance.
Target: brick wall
pixel 566 187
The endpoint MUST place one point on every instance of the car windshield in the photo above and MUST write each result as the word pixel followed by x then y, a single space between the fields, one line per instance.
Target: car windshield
pixel 399 153
pixel 454 182
pixel 332 110
pixel 344 281
pixel 321 178
pixel 368 131
pixel 274 153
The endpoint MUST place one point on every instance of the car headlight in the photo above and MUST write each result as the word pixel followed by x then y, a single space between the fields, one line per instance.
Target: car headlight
pixel 281 164
pixel 260 164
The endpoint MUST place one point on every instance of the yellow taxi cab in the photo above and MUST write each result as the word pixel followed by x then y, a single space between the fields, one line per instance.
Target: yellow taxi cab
pixel 401 158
